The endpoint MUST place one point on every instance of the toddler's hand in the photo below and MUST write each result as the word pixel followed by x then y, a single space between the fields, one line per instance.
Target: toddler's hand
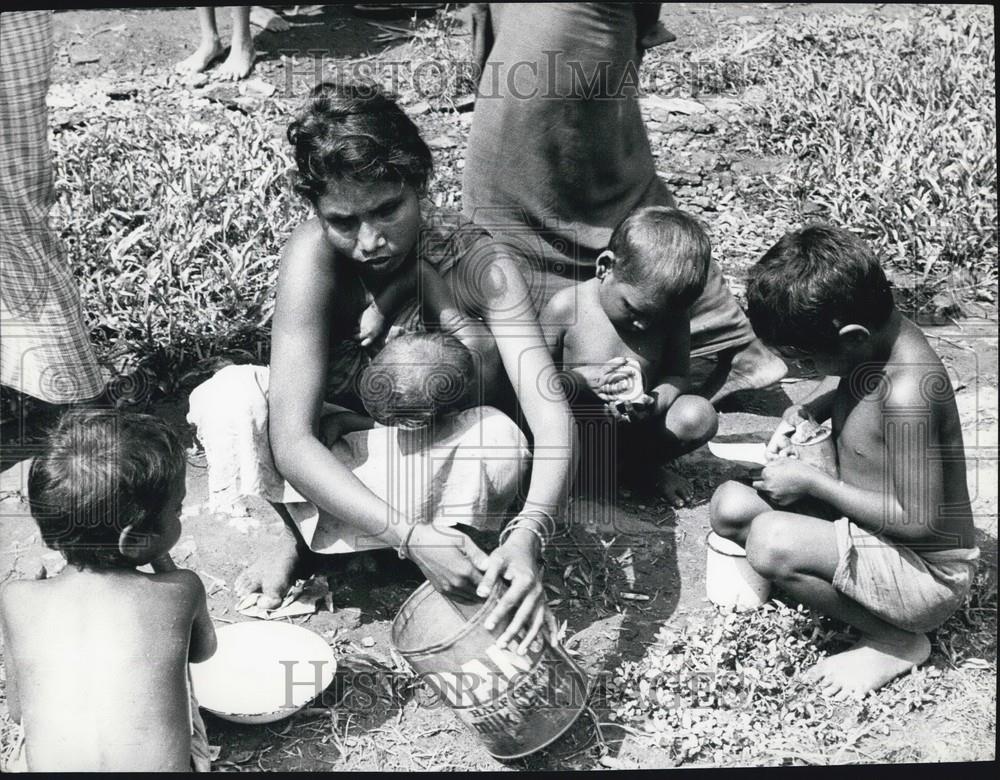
pixel 371 325
pixel 621 381
pixel 632 411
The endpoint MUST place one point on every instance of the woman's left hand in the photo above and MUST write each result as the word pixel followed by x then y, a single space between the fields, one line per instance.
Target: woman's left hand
pixel 516 561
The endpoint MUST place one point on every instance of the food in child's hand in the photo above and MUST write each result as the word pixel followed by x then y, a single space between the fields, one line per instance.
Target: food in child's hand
pixel 632 400
pixel 634 390
pixel 807 431
pixel 812 443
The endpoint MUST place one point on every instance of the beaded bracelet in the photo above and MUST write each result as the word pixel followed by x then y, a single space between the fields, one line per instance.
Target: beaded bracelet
pixel 403 545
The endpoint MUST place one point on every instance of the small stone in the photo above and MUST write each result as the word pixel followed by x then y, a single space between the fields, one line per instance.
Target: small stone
pixel 348 618
pixel 418 108
pixel 442 142
pixel 674 105
pixel 122 90
pixel 257 88
pixel 53 563
pixel 194 79
pixel 81 55
pixel 368 642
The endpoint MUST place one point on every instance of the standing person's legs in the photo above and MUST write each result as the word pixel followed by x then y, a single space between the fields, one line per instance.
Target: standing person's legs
pixel 241 52
pixel 209 45
pixel 45 351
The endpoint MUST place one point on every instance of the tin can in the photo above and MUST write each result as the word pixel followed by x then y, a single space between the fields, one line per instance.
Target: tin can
pixel 820 451
pixel 516 705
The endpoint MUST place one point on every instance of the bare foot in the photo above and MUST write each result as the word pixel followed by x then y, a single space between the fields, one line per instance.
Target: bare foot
pixel 271 575
pixel 201 59
pixel 267 19
pixel 656 36
pixel 751 368
pixel 238 64
pixel 869 665
pixel 673 487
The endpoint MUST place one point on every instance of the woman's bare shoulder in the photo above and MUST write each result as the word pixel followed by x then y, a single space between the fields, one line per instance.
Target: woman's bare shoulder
pixel 307 247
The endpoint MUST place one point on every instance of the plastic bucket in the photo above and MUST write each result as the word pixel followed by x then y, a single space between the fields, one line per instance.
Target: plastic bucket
pixel 730 581
pixel 514 704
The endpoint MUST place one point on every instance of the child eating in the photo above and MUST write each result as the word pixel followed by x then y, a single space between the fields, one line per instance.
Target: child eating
pixel 623 341
pixel 901 557
pixel 97 658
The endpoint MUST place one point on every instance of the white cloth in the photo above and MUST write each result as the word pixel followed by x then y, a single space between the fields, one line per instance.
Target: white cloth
pixel 466 468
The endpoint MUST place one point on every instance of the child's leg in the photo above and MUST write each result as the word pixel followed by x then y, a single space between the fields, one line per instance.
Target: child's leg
pixel 209 45
pixel 689 422
pixel 734 506
pixel 800 553
pixel 241 53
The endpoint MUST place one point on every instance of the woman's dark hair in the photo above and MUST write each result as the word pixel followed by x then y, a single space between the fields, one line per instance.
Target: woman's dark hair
pixel 417 377
pixel 101 472
pixel 810 281
pixel 355 132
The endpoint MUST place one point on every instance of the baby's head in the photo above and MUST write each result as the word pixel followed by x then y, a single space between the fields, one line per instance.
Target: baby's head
pixel 107 492
pixel 819 293
pixel 655 266
pixel 416 378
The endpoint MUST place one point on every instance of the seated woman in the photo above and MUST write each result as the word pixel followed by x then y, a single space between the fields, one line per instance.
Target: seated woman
pixel 363 167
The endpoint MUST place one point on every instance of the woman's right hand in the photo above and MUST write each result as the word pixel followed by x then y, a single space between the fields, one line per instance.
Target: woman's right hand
pixel 446 558
pixel 781 438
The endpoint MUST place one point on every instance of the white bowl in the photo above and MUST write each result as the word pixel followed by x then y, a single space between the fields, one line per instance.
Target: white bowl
pixel 263 671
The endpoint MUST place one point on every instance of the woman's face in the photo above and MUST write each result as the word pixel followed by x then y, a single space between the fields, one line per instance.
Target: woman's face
pixel 373 224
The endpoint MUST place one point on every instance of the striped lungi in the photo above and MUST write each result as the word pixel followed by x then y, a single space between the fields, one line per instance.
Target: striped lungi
pixel 44 346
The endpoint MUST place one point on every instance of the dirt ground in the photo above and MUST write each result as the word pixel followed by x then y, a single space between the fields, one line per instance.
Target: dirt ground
pixel 643 548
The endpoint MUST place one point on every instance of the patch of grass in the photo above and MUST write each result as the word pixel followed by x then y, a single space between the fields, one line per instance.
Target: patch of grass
pixel 174 227
pixel 888 121
pixel 726 688
pixel 893 128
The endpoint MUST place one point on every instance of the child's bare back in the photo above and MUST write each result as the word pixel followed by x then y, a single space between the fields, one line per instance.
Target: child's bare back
pixel 886 543
pixel 910 396
pixel 100 663
pixel 97 658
